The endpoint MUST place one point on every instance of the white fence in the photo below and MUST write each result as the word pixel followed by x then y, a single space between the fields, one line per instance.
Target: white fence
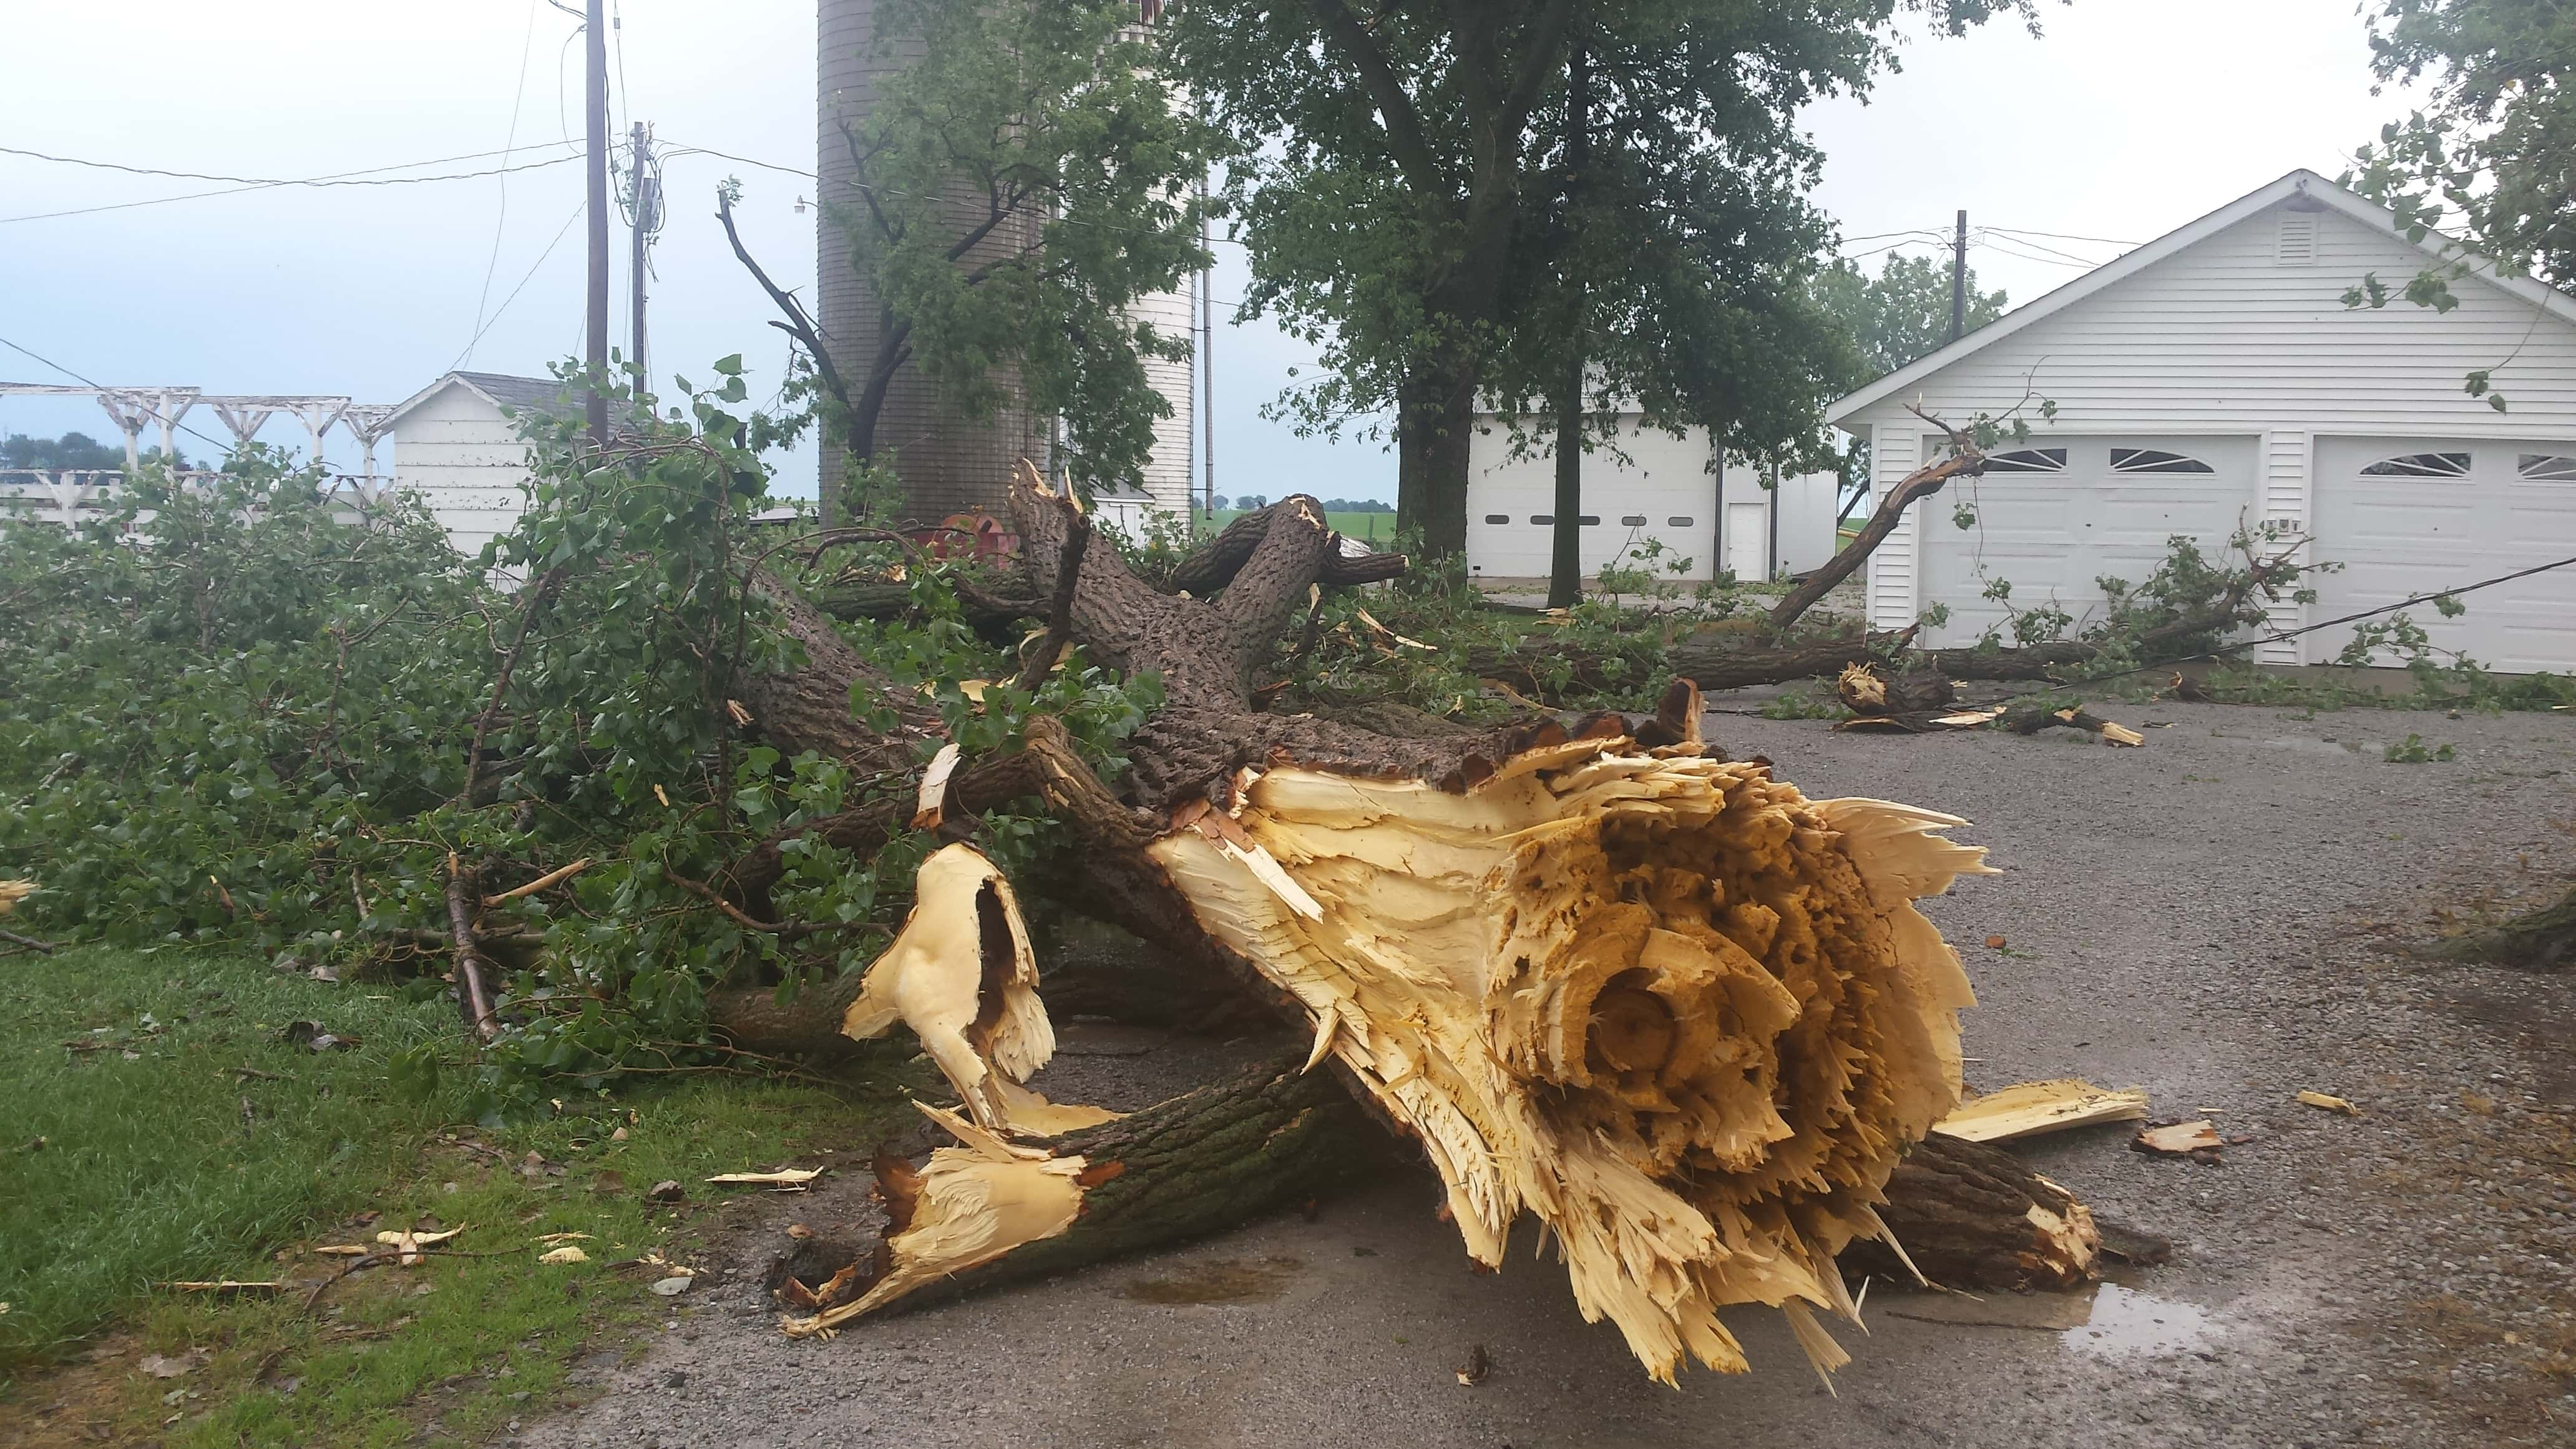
pixel 68 496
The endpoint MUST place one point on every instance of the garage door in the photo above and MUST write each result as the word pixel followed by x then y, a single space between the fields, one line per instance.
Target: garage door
pixel 2409 516
pixel 2056 515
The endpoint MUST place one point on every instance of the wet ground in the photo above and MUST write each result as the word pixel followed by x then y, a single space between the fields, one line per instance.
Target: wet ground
pixel 2223 917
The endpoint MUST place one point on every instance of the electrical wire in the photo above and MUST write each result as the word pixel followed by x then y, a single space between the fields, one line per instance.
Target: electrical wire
pixel 2282 635
pixel 501 219
pixel 1996 246
pixel 523 285
pixel 2108 241
pixel 102 387
pixel 344 178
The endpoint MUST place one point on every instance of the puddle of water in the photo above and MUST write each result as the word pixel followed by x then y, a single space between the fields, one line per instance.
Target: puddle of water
pixel 1218 1280
pixel 2125 1321
pixel 2113 1320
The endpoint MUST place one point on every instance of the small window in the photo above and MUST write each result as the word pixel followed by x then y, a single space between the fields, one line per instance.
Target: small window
pixel 2548 467
pixel 2028 460
pixel 1632 520
pixel 1543 520
pixel 2420 465
pixel 2153 460
pixel 1678 520
pixel 1590 520
pixel 1498 518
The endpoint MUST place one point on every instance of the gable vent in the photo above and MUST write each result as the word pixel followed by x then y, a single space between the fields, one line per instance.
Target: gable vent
pixel 2297 244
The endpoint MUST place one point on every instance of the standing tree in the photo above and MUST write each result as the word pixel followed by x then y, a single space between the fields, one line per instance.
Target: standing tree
pixel 1398 161
pixel 2487 158
pixel 1021 185
pixel 1901 314
pixel 1667 273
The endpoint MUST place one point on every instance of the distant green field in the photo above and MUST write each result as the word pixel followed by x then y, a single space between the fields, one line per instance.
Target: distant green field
pixel 1358 525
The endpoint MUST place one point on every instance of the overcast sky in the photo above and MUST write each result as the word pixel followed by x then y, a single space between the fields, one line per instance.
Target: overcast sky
pixel 2127 119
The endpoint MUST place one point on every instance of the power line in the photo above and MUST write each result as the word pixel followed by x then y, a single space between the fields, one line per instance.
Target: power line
pixel 2281 635
pixel 501 218
pixel 2057 261
pixel 102 387
pixel 2110 241
pixel 565 231
pixel 338 179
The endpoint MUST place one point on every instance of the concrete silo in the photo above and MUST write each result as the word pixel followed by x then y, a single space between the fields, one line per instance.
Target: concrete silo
pixel 949 463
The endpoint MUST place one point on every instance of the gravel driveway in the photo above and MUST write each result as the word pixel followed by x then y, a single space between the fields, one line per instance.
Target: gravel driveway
pixel 2221 917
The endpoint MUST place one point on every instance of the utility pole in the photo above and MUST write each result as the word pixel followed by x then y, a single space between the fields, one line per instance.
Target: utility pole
pixel 1565 543
pixel 648 221
pixel 1207 377
pixel 1959 280
pixel 595 54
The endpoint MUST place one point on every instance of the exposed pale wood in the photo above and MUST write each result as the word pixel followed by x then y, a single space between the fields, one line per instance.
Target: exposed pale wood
pixel 2031 1108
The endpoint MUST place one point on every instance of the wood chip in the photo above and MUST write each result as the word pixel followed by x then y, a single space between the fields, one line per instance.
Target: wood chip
pixel 784 1177
pixel 2196 1138
pixel 2031 1108
pixel 565 1254
pixel 2323 1102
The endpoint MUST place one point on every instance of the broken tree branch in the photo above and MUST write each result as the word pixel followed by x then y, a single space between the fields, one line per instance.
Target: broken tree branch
pixel 472 994
pixel 1068 573
pixel 1922 483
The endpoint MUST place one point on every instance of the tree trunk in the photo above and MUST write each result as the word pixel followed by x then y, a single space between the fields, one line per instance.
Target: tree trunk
pixel 1601 978
pixel 1969 1216
pixel 1203 1162
pixel 1434 426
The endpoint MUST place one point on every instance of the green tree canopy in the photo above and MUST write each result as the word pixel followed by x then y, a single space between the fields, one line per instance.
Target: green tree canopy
pixel 1021 184
pixel 1901 314
pixel 2491 155
pixel 1398 152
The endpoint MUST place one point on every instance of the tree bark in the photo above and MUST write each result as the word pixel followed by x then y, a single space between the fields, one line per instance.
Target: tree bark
pixel 1971 1216
pixel 1435 425
pixel 2541 940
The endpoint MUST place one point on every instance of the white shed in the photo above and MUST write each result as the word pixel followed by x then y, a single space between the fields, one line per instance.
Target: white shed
pixel 2214 379
pixel 457 444
pixel 1653 486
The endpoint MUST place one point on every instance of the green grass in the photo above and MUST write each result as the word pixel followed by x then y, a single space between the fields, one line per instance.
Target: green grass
pixel 150 1173
pixel 1364 526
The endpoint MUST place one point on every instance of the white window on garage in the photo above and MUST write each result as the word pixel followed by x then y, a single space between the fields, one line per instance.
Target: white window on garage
pixel 2421 465
pixel 2155 460
pixel 2028 460
pixel 2547 467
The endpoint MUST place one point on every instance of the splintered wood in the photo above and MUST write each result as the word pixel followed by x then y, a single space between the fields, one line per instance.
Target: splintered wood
pixel 962 975
pixel 1687 1017
pixel 2032 1108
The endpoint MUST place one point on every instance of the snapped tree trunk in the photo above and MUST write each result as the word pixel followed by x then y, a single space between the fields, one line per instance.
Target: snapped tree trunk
pixel 1682 1014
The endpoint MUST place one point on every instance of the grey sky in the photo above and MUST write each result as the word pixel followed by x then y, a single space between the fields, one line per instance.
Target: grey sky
pixel 2129 118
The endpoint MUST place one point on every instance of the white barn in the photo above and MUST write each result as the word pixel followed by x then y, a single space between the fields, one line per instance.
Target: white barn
pixel 1654 486
pixel 2214 378
pixel 457 444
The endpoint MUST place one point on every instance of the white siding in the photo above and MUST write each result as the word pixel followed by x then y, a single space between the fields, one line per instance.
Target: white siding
pixel 1893 602
pixel 1661 489
pixel 2287 468
pixel 1807 505
pixel 467 463
pixel 1168 472
pixel 2236 336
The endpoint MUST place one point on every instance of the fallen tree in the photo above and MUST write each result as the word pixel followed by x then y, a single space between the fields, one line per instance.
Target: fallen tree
pixel 1681 1015
pixel 1686 1017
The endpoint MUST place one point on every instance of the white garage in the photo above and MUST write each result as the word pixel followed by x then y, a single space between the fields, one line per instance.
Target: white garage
pixel 1650 487
pixel 2214 380
pixel 2412 516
